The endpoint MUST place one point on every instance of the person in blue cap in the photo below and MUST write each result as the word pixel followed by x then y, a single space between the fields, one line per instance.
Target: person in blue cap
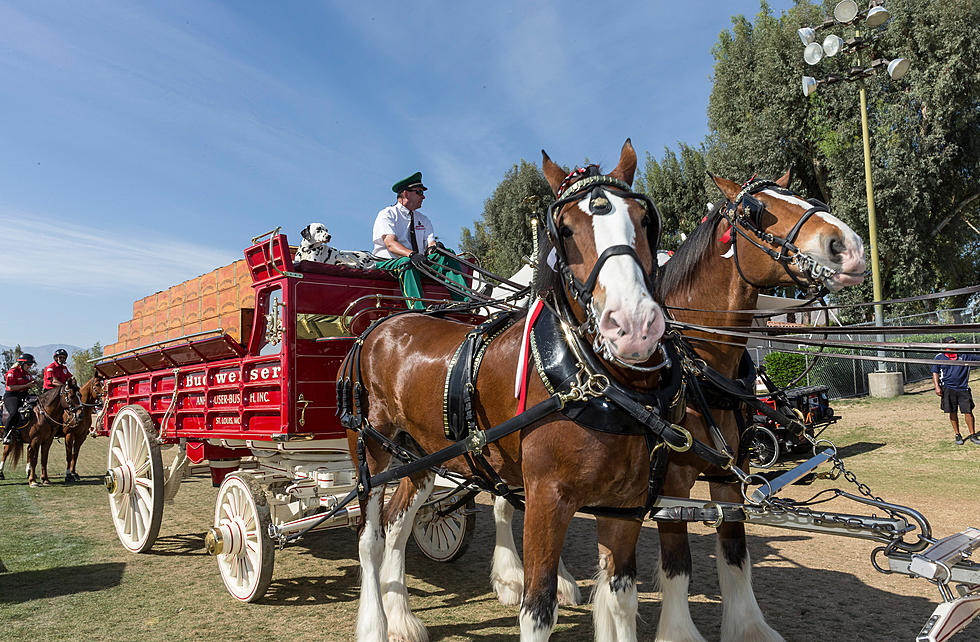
pixel 404 240
pixel 952 384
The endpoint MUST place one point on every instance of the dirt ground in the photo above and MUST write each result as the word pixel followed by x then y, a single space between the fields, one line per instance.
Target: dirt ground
pixel 70 578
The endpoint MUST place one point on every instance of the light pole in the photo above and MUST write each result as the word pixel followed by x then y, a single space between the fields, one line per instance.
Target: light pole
pixel 846 13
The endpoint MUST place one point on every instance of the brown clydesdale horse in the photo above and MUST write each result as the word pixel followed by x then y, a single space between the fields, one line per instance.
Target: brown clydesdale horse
pixel 76 431
pixel 606 239
pixel 708 280
pixel 48 416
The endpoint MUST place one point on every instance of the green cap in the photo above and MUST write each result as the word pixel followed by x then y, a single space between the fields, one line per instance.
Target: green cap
pixel 415 180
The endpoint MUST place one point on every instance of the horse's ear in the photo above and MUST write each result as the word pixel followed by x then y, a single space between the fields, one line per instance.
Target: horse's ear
pixel 784 180
pixel 727 187
pixel 554 174
pixel 305 232
pixel 626 168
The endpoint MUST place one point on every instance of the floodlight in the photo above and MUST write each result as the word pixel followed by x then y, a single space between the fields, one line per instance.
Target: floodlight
pixel 832 45
pixel 898 68
pixel 877 16
pixel 845 11
pixel 809 85
pixel 813 53
pixel 807 35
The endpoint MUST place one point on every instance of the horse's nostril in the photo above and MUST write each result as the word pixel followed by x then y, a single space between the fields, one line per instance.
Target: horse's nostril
pixel 836 248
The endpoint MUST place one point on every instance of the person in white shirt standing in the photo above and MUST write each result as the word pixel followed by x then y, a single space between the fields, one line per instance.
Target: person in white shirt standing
pixel 405 241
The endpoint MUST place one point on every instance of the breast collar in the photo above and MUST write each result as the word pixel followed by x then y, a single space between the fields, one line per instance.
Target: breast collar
pixel 558 369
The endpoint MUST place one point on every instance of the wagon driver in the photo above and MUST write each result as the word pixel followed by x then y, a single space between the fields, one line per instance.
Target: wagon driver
pixel 952 384
pixel 57 374
pixel 18 383
pixel 405 241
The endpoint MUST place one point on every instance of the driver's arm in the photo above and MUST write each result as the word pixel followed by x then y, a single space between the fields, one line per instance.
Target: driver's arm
pixel 396 248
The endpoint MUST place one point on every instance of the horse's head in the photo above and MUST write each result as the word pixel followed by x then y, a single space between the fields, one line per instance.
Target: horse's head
pixel 71 401
pixel 605 237
pixel 93 390
pixel 814 247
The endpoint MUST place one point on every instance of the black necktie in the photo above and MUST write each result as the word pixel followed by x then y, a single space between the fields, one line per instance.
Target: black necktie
pixel 411 231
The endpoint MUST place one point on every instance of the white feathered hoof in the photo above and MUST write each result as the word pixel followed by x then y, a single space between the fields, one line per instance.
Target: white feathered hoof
pixel 753 631
pixel 508 590
pixel 568 591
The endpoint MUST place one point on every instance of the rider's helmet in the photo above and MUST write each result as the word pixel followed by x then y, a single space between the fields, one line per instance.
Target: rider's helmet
pixel 27 358
pixel 60 352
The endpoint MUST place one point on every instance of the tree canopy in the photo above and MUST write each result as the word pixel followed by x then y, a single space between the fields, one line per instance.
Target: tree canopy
pixel 503 237
pixel 924 138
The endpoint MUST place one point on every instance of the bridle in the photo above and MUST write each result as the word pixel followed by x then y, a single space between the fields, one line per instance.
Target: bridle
pixel 595 187
pixel 66 404
pixel 744 214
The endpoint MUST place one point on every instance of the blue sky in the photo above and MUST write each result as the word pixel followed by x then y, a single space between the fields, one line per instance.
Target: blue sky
pixel 146 143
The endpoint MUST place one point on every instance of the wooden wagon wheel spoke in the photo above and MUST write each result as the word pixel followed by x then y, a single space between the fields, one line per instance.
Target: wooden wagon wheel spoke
pixel 241 524
pixel 135 479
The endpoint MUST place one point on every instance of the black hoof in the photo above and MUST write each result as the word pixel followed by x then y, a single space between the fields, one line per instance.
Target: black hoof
pixel 1 475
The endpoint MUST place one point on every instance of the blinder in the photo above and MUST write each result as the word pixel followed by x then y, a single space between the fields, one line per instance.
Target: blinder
pixel 597 188
pixel 750 217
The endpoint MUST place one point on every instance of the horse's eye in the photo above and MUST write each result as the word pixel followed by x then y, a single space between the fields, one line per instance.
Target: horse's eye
pixel 645 221
pixel 565 232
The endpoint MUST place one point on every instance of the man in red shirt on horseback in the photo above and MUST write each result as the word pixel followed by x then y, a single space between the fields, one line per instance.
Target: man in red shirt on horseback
pixel 18 382
pixel 57 374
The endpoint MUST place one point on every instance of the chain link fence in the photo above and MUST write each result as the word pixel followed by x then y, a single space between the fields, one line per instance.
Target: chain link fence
pixel 849 377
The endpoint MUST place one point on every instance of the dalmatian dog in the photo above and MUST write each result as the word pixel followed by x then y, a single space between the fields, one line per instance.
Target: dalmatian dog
pixel 314 247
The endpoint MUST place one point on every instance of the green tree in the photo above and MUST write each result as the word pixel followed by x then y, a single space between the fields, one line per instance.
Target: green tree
pixel 677 185
pixel 503 236
pixel 925 134
pixel 9 357
pixel 80 366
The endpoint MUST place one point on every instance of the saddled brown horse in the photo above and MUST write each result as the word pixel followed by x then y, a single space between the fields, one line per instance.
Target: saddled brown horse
pixel 76 431
pixel 605 239
pixel 714 274
pixel 48 416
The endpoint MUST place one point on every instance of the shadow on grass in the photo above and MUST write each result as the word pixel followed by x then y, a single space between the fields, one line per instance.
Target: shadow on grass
pixel 25 586
pixel 859 448
pixel 179 544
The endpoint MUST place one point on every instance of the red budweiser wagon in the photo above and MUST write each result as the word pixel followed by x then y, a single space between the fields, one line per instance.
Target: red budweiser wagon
pixel 241 363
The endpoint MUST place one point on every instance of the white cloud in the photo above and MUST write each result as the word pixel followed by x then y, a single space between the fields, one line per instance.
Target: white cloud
pixel 66 257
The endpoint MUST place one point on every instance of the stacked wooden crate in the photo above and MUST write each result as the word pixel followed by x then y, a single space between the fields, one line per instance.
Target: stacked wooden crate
pixel 222 298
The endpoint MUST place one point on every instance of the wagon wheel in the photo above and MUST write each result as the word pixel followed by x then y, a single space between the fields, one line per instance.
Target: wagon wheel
pixel 444 538
pixel 134 479
pixel 240 537
pixel 763 447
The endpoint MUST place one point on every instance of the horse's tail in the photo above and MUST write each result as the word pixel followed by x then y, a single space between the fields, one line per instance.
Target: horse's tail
pixel 17 447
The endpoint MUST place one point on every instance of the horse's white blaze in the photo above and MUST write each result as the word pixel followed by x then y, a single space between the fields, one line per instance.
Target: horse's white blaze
pixel 371 623
pixel 614 612
pixel 741 617
pixel 631 321
pixel 402 623
pixel 675 623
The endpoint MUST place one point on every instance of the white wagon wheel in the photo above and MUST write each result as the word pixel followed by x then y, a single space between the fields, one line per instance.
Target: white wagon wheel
pixel 240 537
pixel 134 479
pixel 444 538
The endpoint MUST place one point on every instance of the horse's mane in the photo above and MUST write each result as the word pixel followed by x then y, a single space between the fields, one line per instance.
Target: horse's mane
pixel 679 272
pixel 545 278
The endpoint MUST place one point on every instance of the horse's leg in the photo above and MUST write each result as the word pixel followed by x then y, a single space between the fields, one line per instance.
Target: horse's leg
pixel 32 453
pixel 400 511
pixel 371 623
pixel 3 460
pixel 741 617
pixel 79 440
pixel 615 600
pixel 674 577
pixel 546 519
pixel 507 572
pixel 69 448
pixel 45 450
